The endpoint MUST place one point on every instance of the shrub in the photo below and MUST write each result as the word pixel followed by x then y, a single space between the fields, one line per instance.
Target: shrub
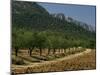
pixel 17 61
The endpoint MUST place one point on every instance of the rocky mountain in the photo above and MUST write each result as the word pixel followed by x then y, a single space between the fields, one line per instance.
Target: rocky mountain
pixel 20 7
pixel 32 16
pixel 70 19
pixel 59 15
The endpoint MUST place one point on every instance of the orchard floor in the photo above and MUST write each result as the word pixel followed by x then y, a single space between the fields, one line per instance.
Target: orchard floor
pixel 85 60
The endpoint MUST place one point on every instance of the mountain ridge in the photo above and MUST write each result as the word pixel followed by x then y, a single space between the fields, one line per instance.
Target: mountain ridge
pixel 37 21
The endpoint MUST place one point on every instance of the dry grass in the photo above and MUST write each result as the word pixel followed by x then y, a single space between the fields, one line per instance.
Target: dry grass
pixel 84 62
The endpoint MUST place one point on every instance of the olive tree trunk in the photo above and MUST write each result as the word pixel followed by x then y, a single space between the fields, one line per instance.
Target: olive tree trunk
pixel 48 51
pixel 40 51
pixel 16 51
pixel 54 50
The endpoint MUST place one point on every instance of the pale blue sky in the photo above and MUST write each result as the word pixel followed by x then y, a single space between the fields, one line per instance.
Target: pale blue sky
pixel 84 13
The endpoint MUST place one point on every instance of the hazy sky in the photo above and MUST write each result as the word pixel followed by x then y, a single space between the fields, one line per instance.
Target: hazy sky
pixel 84 13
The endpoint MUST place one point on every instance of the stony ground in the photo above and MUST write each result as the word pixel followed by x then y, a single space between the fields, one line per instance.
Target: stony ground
pixel 80 61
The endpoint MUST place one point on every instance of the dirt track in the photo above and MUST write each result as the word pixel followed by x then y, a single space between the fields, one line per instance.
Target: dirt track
pixel 22 68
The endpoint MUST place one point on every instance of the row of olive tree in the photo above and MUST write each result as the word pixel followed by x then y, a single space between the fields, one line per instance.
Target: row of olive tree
pixel 42 40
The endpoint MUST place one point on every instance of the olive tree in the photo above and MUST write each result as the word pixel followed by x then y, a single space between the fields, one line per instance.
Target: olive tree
pixel 40 41
pixel 17 41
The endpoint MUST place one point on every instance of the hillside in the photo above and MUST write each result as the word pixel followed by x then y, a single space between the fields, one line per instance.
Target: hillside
pixel 30 16
pixel 23 8
pixel 33 15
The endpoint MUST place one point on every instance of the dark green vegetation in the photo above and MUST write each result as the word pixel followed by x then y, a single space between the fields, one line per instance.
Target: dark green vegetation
pixel 33 27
